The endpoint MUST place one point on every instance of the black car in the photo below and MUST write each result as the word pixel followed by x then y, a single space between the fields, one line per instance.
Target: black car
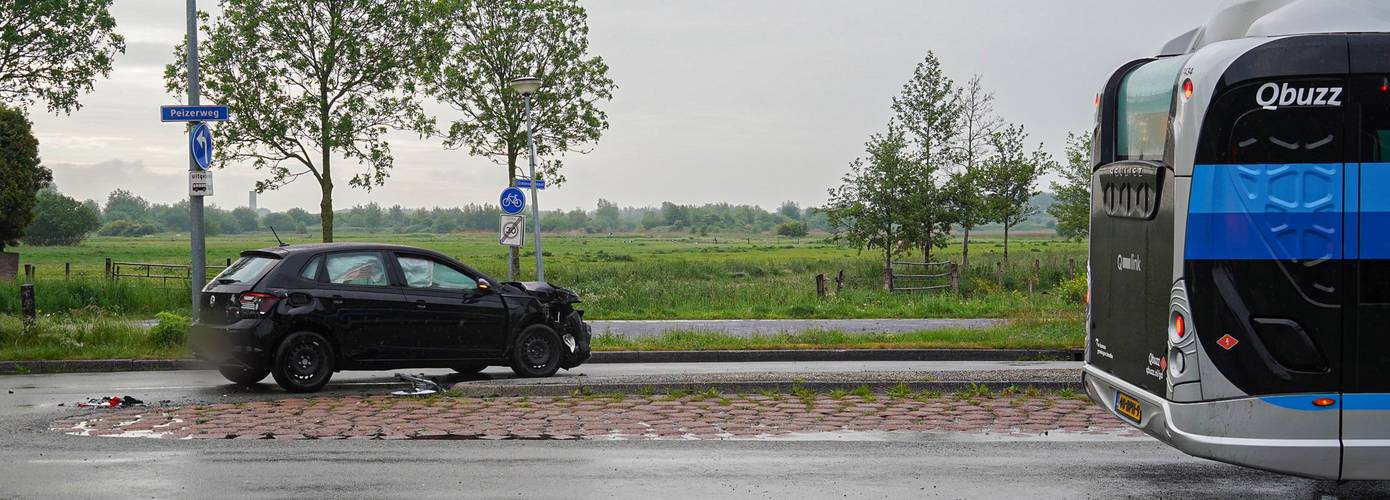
pixel 302 312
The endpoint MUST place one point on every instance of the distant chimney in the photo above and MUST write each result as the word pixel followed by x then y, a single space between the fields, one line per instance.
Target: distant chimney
pixel 253 200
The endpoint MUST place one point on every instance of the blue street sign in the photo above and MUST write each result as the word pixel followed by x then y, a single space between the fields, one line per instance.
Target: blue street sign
pixel 200 145
pixel 179 113
pixel 526 183
pixel 513 201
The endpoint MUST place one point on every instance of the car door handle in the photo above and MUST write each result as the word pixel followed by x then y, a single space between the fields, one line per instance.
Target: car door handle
pixel 337 299
pixel 420 304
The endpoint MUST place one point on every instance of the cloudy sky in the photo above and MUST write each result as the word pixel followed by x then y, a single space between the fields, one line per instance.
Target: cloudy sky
pixel 718 100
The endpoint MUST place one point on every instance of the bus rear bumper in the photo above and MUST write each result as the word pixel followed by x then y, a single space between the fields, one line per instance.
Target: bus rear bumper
pixel 1253 432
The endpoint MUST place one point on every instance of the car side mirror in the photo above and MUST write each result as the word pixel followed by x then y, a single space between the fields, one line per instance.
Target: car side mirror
pixel 484 287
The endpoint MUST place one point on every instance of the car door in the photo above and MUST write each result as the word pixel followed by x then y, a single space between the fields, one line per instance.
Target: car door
pixel 456 320
pixel 366 311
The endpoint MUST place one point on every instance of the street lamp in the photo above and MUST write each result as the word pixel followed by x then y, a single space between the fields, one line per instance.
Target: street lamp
pixel 526 86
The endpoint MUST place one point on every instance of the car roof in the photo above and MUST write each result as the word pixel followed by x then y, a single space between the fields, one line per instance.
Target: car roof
pixel 288 250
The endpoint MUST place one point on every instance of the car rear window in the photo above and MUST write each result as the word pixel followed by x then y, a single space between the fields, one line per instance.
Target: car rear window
pixel 246 270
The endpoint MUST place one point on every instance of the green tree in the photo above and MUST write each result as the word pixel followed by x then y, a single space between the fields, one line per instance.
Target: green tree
pixel 246 219
pixel 54 50
pixel 928 109
pixel 977 125
pixel 607 216
pixel 301 216
pixel 310 81
pixel 867 207
pixel 790 210
pixel 794 229
pixel 281 222
pixel 21 175
pixel 60 220
pixel 1072 204
pixel 125 205
pixel 1009 179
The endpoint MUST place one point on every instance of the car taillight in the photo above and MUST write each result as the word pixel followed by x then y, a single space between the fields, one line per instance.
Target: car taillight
pixel 257 302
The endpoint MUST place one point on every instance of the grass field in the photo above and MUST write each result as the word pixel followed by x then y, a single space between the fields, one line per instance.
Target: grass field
pixel 619 277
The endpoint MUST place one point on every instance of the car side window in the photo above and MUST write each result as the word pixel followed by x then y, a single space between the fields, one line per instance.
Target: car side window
pixel 426 273
pixel 311 270
pixel 357 268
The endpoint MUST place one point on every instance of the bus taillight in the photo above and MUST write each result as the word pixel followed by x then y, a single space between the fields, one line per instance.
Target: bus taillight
pixel 1187 89
pixel 1179 325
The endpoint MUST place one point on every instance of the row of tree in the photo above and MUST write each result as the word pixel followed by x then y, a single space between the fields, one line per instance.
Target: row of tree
pixel 946 161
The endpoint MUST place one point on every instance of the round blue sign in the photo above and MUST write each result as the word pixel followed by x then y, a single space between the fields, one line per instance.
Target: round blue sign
pixel 200 145
pixel 513 200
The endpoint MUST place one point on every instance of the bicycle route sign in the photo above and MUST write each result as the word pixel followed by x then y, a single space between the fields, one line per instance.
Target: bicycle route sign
pixel 513 201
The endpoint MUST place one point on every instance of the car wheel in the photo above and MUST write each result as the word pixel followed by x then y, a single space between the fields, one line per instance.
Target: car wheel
pixel 469 368
pixel 537 352
pixel 243 376
pixel 303 362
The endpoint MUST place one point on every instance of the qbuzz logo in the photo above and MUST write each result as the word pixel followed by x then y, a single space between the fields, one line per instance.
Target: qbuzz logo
pixel 1272 95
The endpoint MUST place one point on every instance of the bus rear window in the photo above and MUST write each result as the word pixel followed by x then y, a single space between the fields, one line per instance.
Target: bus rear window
pixel 1143 105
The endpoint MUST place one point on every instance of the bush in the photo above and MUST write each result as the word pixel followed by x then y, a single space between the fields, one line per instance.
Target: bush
pixel 170 331
pixel 1073 289
pixel 793 229
pixel 128 228
pixel 60 220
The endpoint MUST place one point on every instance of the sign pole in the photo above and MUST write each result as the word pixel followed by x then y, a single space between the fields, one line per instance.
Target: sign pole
pixel 197 271
pixel 535 200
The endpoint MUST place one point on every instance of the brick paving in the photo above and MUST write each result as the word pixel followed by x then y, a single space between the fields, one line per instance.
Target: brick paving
pixel 598 417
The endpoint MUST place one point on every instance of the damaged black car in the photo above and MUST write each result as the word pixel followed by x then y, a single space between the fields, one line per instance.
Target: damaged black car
pixel 302 312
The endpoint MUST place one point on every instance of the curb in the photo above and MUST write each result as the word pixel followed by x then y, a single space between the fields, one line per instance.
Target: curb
pixel 468 389
pixel 747 356
pixel 804 355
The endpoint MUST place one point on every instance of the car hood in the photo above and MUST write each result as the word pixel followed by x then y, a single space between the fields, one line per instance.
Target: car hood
pixel 545 291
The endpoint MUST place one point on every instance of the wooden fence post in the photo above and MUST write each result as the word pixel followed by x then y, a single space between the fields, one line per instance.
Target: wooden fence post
pixel 820 285
pixel 999 273
pixel 839 282
pixel 109 272
pixel 28 273
pixel 67 270
pixel 888 278
pixel 26 306
pixel 955 278
pixel 1071 267
pixel 1036 279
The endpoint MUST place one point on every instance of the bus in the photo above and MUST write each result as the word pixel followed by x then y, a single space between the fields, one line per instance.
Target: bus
pixel 1238 303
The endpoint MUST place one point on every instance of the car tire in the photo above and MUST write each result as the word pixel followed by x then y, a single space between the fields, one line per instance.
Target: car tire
pixel 537 352
pixel 303 362
pixel 470 368
pixel 243 376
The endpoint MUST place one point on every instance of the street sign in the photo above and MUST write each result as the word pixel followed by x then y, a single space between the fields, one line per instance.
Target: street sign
pixel 513 231
pixel 200 183
pixel 181 113
pixel 526 183
pixel 513 201
pixel 200 146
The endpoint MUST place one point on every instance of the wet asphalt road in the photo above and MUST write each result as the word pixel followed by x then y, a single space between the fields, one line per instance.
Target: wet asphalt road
pixel 38 463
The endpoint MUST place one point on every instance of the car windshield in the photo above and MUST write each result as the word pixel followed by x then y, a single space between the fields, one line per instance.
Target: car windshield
pixel 245 270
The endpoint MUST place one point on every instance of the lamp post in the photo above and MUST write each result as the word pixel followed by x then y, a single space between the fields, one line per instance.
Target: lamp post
pixel 526 86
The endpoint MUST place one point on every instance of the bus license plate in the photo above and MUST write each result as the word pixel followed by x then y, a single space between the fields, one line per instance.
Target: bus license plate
pixel 1128 407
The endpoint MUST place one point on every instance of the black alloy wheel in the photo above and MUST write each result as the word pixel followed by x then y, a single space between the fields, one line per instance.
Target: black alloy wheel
pixel 537 352
pixel 243 376
pixel 303 362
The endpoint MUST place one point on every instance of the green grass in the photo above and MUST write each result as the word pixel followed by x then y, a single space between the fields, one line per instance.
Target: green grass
pixel 619 277
pixel 1063 333
pixel 81 336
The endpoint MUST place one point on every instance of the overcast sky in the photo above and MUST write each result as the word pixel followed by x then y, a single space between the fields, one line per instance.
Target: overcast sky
pixel 719 100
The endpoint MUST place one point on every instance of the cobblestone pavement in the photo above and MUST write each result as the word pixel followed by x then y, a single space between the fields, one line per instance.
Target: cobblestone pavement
pixel 700 416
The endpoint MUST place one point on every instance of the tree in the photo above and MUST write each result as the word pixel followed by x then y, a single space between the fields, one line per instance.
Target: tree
pixel 978 123
pixel 246 219
pixel 21 175
pixel 793 229
pixel 125 205
pixel 928 108
pixel 1009 178
pixel 279 221
pixel 790 210
pixel 301 216
pixel 308 81
pixel 606 217
pixel 60 220
pixel 1072 204
pixel 865 209
pixel 53 50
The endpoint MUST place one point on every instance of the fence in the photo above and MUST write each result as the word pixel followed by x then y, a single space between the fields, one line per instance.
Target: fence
pixel 163 272
pixel 922 276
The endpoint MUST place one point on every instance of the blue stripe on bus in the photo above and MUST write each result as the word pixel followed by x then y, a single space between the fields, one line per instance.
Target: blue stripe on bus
pixel 1301 401
pixel 1366 401
pixel 1265 212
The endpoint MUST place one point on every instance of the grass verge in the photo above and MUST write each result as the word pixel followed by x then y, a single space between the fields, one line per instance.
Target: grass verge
pixel 1019 334
pixel 85 335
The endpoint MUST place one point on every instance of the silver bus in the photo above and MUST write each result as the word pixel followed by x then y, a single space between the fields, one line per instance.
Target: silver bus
pixel 1239 295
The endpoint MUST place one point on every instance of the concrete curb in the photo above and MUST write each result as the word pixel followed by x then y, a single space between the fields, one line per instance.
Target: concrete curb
pixel 474 389
pixel 806 355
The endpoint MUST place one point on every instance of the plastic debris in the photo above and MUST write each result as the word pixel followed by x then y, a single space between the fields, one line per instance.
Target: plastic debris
pixel 111 402
pixel 419 385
